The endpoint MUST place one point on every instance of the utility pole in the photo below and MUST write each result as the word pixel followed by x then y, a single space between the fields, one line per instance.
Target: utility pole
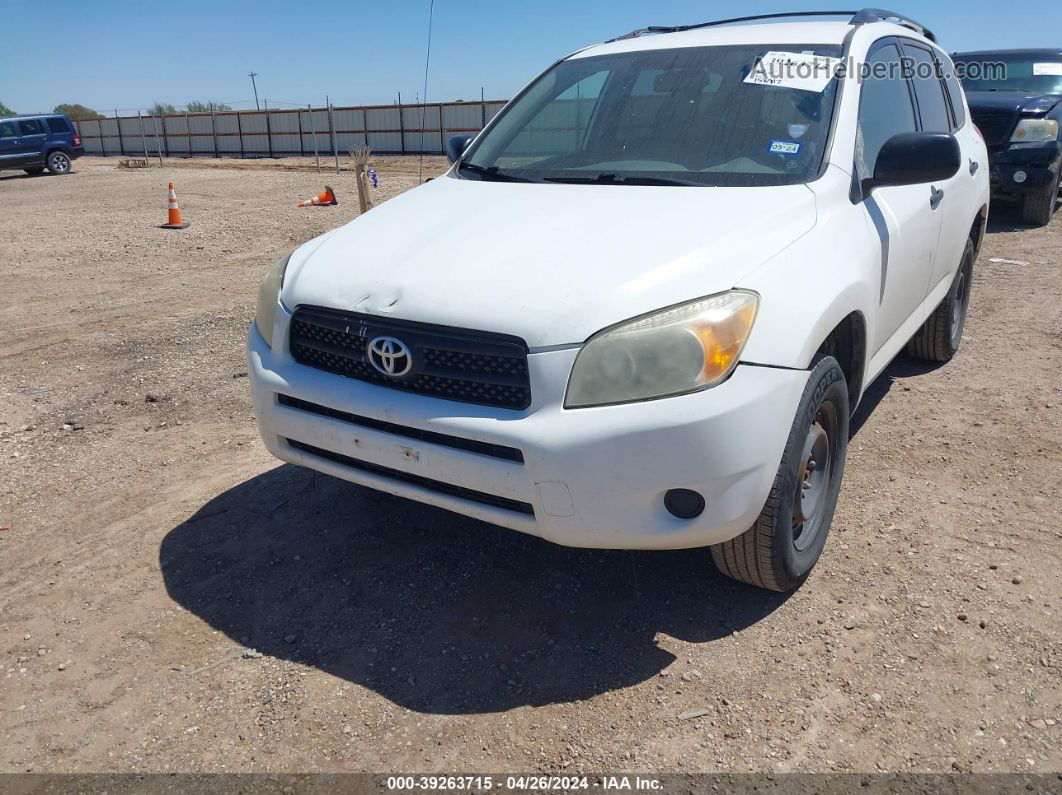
pixel 255 87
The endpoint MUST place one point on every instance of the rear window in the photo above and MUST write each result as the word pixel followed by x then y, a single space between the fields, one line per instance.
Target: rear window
pixel 954 88
pixel 931 103
pixel 58 125
pixel 31 127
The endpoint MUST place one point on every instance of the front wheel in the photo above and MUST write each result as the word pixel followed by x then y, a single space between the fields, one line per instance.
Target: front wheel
pixel 1037 208
pixel 779 551
pixel 59 163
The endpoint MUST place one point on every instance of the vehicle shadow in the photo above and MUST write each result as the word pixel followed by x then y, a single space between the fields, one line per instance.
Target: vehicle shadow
pixel 899 369
pixel 436 612
pixel 1005 216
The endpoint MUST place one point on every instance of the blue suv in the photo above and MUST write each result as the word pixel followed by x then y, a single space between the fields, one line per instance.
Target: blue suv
pixel 35 143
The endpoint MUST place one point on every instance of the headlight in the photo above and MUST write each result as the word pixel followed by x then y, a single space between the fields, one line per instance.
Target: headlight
pixel 1029 130
pixel 681 349
pixel 268 295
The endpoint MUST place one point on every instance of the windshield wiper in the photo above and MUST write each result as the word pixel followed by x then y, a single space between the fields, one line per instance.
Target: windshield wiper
pixel 613 179
pixel 492 173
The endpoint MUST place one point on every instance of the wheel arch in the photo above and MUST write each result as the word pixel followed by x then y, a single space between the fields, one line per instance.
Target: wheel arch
pixel 977 229
pixel 847 343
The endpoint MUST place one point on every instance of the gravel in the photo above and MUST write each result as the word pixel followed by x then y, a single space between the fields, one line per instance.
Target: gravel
pixel 162 537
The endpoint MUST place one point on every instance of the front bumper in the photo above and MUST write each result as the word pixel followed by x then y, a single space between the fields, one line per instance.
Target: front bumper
pixel 1036 160
pixel 589 477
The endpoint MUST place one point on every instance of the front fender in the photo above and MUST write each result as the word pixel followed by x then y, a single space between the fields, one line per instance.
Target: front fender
pixel 807 289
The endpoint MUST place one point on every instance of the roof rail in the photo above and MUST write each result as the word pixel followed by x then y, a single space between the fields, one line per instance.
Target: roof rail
pixel 881 15
pixel 857 18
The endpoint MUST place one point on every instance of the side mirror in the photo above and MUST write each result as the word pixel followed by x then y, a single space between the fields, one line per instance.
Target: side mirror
pixel 915 158
pixel 456 147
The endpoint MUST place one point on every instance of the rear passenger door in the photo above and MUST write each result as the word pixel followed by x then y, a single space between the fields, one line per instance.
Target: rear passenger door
pixel 10 153
pixel 906 221
pixel 31 140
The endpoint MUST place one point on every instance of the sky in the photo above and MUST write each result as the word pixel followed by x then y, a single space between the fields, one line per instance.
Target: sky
pixel 124 55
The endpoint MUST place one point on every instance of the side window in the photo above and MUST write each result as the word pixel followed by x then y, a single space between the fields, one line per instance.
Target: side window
pixel 31 127
pixel 932 107
pixel 7 129
pixel 58 125
pixel 885 107
pixel 955 94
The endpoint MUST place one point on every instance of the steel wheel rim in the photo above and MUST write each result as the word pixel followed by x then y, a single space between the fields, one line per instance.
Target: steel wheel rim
pixel 813 483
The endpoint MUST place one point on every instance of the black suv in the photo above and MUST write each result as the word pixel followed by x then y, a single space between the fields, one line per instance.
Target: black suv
pixel 34 143
pixel 1015 98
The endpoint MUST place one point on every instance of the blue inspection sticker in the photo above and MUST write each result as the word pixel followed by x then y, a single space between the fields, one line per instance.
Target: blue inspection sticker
pixel 788 148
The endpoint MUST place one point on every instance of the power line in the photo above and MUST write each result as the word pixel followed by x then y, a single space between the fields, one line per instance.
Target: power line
pixel 424 108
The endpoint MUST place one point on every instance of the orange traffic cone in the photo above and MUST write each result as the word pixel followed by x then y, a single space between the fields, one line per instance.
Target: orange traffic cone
pixel 173 213
pixel 325 198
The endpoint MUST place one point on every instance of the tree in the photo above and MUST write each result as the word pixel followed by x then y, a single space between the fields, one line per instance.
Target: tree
pixel 6 111
pixel 210 106
pixel 162 109
pixel 77 112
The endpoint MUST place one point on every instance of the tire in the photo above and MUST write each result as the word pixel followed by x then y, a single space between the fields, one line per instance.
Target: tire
pixel 59 163
pixel 33 171
pixel 779 551
pixel 941 336
pixel 1037 208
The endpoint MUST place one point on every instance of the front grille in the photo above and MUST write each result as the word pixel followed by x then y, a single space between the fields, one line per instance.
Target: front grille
pixel 996 128
pixel 455 364
pixel 456 442
pixel 418 480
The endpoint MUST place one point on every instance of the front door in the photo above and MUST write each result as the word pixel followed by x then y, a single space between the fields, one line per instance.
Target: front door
pixel 907 218
pixel 11 155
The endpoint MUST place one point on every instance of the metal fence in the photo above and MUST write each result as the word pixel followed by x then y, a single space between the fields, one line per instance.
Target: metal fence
pixel 388 129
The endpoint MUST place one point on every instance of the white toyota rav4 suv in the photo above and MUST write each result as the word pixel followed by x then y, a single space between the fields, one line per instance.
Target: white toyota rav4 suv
pixel 641 306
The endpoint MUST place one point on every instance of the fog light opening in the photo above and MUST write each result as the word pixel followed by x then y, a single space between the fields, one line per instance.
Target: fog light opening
pixel 1020 176
pixel 684 503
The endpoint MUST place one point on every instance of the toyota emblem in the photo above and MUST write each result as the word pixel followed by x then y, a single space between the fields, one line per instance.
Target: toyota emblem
pixel 389 356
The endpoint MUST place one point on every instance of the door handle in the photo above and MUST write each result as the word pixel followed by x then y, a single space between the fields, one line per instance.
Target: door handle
pixel 974 165
pixel 936 196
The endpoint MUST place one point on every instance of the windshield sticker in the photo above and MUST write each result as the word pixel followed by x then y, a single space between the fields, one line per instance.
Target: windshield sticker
pixel 787 148
pixel 794 70
pixel 1054 69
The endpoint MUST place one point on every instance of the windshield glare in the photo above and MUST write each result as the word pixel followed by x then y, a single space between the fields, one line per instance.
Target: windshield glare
pixel 1034 76
pixel 679 116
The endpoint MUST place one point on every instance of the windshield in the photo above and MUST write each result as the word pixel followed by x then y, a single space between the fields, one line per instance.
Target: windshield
pixel 674 117
pixel 1035 76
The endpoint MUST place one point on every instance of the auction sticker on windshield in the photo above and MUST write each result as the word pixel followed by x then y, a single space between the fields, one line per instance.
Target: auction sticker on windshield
pixel 795 70
pixel 1047 69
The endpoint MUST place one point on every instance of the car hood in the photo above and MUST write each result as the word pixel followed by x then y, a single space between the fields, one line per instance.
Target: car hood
pixel 1014 101
pixel 551 264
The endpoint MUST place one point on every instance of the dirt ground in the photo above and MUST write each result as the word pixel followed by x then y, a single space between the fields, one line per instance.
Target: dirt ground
pixel 150 543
